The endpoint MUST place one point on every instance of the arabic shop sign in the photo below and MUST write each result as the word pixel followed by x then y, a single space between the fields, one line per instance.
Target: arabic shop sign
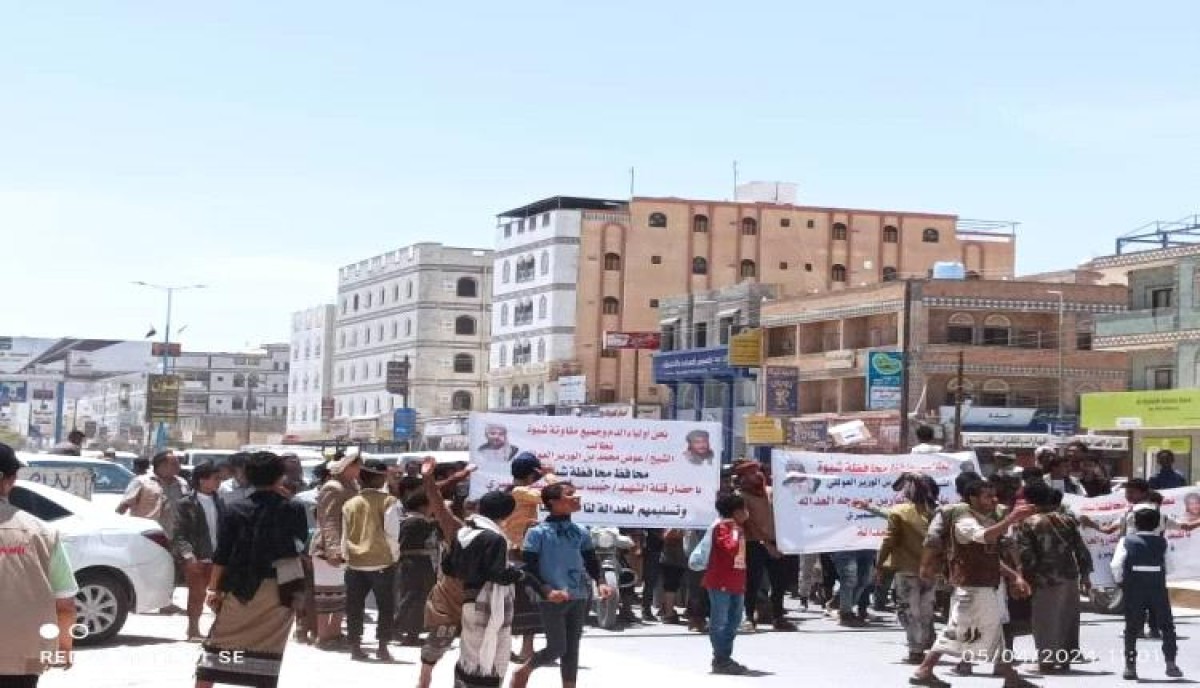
pixel 1167 408
pixel 694 364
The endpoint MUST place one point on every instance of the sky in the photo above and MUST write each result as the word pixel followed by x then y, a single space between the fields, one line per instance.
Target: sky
pixel 257 147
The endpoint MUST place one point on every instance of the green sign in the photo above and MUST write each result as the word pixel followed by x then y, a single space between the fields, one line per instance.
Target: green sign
pixel 1165 408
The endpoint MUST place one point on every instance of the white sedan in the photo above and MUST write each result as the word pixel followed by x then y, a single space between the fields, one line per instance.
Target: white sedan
pixel 122 564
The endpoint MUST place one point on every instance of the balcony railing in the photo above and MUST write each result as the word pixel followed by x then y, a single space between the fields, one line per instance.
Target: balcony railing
pixel 1148 321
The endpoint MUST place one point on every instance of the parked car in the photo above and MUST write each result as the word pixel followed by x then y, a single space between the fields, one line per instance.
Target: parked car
pixel 110 480
pixel 122 564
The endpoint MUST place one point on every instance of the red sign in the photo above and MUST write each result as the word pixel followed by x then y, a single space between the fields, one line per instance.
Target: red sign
pixel 172 350
pixel 633 340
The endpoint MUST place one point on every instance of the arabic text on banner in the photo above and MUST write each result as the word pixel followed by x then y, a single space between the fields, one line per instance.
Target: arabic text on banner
pixel 814 492
pixel 1183 547
pixel 630 473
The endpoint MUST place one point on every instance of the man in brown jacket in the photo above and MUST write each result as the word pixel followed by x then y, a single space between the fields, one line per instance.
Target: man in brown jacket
pixel 329 585
pixel 38 593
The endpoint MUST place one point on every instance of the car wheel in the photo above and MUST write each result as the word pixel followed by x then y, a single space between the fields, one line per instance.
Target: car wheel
pixel 101 605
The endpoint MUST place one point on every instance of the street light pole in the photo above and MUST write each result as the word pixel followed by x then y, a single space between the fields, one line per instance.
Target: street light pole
pixel 160 439
pixel 1061 344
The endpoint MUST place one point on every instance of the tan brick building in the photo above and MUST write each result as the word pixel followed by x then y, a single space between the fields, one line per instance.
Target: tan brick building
pixel 1007 331
pixel 671 246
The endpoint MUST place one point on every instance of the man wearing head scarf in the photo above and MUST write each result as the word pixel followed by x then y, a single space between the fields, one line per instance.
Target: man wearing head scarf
pixel 763 558
pixel 329 585
pixel 699 448
pixel 496 446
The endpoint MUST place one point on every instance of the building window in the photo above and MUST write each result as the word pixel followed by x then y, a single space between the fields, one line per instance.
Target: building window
pixel 838 272
pixel 366 336
pixel 520 226
pixel 700 335
pixel 699 266
pixel 395 329
pixel 995 393
pixel 808 267
pixel 1161 299
pixel 654 303
pixel 239 404
pixel 612 261
pixel 464 325
pixel 785 222
pixel 525 269
pixel 467 288
pixel 700 224
pixel 239 380
pixel 356 303
pixel 539 396
pixel 500 398
pixel 523 313
pixel 460 401
pixel 749 226
pixel 504 315
pixel 464 363
pixel 812 223
pixel 546 220
pixel 656 260
pixel 1083 341
pixel 545 262
pixel 611 306
pixel 930 236
pixel 891 235
pixel 748 269
pixel 541 351
pixel 505 272
pixel 997 331
pixel 407 328
pixel 725 330
pixel 608 353
pixel 522 353
pixel 1163 378
pixel 343 306
pixel 368 304
pixel 961 329
pixel 543 307
pixel 668 338
pixel 968 388
pixel 503 356
pixel 606 395
pixel 409 290
pixel 889 274
pixel 839 231
pixel 507 230
pixel 783 265
pixel 379 369
pixel 658 220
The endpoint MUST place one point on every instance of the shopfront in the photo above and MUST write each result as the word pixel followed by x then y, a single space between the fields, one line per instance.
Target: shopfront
pixel 1154 420
pixel 705 387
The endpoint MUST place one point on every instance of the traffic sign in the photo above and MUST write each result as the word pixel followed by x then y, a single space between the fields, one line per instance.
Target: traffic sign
pixel 404 423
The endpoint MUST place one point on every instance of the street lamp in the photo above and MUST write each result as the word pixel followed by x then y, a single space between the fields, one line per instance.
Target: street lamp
pixel 1061 344
pixel 161 436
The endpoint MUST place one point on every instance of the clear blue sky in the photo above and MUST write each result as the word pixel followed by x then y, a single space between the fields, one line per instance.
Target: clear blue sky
pixel 258 146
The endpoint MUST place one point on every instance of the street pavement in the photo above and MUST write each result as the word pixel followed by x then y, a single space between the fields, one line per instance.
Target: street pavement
pixel 150 653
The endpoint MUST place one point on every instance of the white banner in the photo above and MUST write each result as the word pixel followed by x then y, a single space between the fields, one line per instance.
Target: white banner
pixel 76 481
pixel 814 493
pixel 630 473
pixel 1183 547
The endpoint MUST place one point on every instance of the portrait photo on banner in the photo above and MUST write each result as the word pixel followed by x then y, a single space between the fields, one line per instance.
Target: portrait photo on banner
pixel 628 472
pixel 818 496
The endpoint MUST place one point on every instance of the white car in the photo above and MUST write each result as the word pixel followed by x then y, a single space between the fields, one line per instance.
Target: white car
pixel 122 564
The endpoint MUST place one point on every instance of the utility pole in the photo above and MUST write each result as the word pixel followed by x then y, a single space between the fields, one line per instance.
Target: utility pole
pixel 958 404
pixel 1061 350
pixel 251 383
pixel 905 365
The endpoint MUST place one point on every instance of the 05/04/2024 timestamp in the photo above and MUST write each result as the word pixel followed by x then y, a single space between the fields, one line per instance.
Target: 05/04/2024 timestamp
pixel 1149 655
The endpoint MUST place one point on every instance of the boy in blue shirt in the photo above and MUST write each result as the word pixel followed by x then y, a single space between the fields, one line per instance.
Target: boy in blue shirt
pixel 1139 566
pixel 560 554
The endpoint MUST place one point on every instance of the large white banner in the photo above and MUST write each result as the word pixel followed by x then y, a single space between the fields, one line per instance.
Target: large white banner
pixel 815 493
pixel 630 473
pixel 1183 547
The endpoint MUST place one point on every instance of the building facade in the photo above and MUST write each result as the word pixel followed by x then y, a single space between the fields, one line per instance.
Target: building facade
pixel 427 303
pixel 1025 349
pixel 310 398
pixel 630 255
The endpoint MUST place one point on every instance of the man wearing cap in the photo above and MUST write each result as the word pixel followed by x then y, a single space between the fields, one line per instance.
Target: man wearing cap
pixel 329 586
pixel 370 542
pixel 38 594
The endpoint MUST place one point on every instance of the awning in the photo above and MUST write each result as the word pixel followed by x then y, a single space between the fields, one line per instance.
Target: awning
pixel 668 321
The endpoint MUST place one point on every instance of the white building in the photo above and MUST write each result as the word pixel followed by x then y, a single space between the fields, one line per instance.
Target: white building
pixel 311 389
pixel 534 300
pixel 426 302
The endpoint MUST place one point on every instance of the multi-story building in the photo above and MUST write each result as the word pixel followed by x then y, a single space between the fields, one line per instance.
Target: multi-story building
pixel 427 303
pixel 310 399
pixel 629 255
pixel 1014 356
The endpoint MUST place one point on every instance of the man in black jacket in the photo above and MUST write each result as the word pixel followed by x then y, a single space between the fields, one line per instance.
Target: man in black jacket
pixel 195 539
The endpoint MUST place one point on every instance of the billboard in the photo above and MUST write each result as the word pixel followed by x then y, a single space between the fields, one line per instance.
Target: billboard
pixel 633 340
pixel 1164 408
pixel 74 357
pixel 572 389
pixel 13 392
pixel 885 370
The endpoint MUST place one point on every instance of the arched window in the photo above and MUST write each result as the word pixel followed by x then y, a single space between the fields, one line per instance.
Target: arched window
pixel 611 305
pixel 658 220
pixel 366 336
pixel 396 293
pixel 891 235
pixel 968 389
pixel 409 290
pixel 748 269
pixel 239 380
pixel 540 394
pixel 889 274
pixel 699 266
pixel 382 296
pixel 395 329
pixel 503 315
pixel 995 393
pixel 749 226
pixel 838 272
pixel 368 300
pixel 356 303
pixel 505 272
pixel 541 350
pixel 467 288
pixel 464 325
pixel 545 262
pixel 839 231
pixel 503 357
pixel 960 329
pixel 700 223
pixel 460 401
pixel 464 363
pixel 353 372
pixel 542 307
pixel 930 236
pixel 408 328
pixel 500 398
pixel 997 330
pixel 612 261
